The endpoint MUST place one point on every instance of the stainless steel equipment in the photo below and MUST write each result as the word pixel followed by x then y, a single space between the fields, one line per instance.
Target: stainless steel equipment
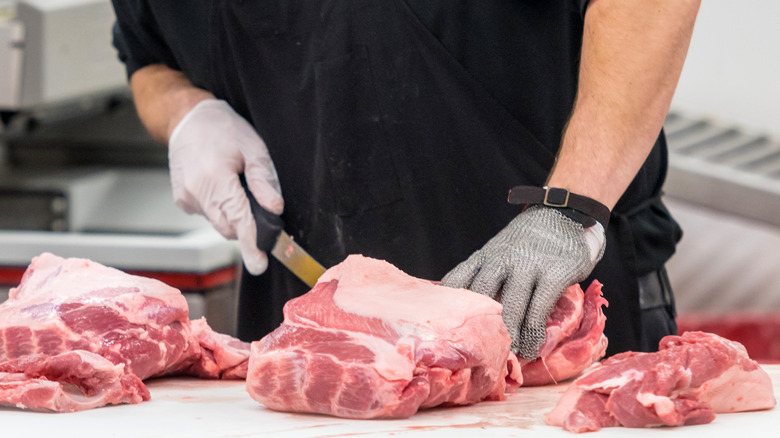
pixel 723 167
pixel 723 187
pixel 56 51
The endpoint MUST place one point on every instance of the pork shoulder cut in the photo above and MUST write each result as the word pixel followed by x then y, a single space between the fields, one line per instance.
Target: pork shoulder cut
pixel 77 305
pixel 68 382
pixel 687 381
pixel 369 341
pixel 574 337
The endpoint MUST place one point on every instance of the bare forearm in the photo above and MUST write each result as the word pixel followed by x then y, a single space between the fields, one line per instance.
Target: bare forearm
pixel 632 56
pixel 162 97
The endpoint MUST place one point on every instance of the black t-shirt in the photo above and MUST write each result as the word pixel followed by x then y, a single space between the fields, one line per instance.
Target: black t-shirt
pixel 398 126
pixel 523 54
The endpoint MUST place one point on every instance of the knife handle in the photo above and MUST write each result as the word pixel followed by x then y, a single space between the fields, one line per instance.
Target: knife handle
pixel 269 225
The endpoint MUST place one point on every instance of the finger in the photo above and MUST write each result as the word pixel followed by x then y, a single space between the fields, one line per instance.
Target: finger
pixel 534 326
pixel 227 205
pixel 181 196
pixel 186 202
pixel 517 293
pixel 488 280
pixel 264 185
pixel 256 261
pixel 235 221
pixel 259 168
pixel 460 277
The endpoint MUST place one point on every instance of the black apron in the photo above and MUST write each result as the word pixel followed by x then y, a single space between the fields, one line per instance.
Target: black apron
pixel 387 146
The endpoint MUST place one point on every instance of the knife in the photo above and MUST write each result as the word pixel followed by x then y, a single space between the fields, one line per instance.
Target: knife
pixel 272 239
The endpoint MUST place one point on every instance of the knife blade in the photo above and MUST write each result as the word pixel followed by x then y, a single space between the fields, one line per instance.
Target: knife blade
pixel 272 239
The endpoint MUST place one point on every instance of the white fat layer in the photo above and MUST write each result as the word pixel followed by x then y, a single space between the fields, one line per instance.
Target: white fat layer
pixel 737 390
pixel 615 382
pixel 52 280
pixel 661 404
pixel 362 279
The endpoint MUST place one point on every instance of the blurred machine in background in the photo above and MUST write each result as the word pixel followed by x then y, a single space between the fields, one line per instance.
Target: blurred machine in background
pixel 79 175
pixel 55 51
pixel 723 187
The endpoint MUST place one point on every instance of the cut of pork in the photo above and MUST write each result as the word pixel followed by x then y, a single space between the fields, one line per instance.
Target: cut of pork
pixel 687 381
pixel 222 356
pixel 68 382
pixel 369 341
pixel 75 304
pixel 64 305
pixel 574 337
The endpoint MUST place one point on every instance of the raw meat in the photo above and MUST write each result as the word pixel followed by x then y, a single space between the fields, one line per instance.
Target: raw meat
pixel 68 382
pixel 64 305
pixel 75 304
pixel 687 381
pixel 369 341
pixel 574 339
pixel 757 332
pixel 222 356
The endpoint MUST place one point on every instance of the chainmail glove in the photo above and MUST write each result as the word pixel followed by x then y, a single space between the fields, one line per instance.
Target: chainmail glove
pixel 527 266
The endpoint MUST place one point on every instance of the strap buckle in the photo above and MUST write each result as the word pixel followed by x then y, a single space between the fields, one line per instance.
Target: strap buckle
pixel 556 197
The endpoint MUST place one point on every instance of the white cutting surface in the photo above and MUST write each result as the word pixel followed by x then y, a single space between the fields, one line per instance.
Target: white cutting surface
pixel 191 408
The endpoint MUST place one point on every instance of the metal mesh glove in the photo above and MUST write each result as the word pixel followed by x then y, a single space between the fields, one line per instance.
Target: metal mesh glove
pixel 207 150
pixel 527 266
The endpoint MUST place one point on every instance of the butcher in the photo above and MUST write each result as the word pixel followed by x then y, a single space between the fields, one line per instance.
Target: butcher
pixel 509 147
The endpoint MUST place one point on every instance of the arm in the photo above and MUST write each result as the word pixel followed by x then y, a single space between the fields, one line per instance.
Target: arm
pixel 209 144
pixel 162 97
pixel 632 56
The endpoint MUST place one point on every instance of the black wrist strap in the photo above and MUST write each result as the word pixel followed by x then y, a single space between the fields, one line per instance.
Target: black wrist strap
pixel 577 207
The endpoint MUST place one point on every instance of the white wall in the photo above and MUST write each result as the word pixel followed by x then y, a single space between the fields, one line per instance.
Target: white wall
pixel 724 263
pixel 733 66
pixel 727 263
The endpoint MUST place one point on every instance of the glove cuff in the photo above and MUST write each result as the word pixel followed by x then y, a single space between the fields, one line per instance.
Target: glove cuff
pixel 581 209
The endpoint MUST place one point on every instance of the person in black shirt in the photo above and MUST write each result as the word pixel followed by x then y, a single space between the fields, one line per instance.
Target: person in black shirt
pixel 395 128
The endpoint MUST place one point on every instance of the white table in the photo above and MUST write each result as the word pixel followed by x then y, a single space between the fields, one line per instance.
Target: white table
pixel 185 407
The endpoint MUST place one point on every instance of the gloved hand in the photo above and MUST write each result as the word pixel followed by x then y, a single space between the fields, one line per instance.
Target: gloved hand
pixel 207 150
pixel 527 266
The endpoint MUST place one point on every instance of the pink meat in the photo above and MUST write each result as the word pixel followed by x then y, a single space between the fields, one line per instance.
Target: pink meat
pixel 64 305
pixel 687 381
pixel 369 341
pixel 68 382
pixel 222 356
pixel 574 337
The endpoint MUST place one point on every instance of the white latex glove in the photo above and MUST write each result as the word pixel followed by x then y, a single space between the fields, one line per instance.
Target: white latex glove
pixel 207 150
